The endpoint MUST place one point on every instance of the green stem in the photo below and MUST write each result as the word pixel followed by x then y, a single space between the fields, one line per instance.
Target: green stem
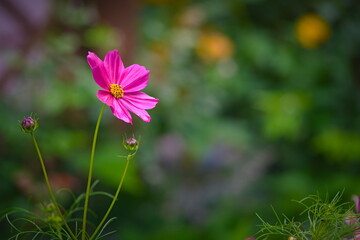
pixel 129 157
pixel 49 186
pixel 59 232
pixel 90 172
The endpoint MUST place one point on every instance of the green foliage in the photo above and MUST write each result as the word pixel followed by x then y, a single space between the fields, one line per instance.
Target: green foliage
pixel 102 35
pixel 321 219
pixel 282 113
pixel 44 223
pixel 338 145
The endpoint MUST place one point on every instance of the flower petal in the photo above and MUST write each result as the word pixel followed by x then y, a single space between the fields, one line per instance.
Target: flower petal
pixel 134 78
pixel 120 111
pixel 114 66
pixel 106 97
pixel 98 70
pixel 144 115
pixel 141 100
pixel 93 60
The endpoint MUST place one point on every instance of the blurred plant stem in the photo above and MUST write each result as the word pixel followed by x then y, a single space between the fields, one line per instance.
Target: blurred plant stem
pixel 49 187
pixel 129 157
pixel 59 233
pixel 90 172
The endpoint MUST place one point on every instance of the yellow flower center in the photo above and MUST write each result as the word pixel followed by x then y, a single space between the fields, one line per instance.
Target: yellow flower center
pixel 116 90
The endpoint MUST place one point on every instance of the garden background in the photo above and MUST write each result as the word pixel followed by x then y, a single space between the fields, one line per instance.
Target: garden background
pixel 259 106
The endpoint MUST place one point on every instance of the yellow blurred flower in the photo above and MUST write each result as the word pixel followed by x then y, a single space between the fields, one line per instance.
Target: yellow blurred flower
pixel 312 30
pixel 214 46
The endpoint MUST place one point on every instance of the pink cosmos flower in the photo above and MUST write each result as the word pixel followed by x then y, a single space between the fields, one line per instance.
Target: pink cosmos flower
pixel 353 219
pixel 121 86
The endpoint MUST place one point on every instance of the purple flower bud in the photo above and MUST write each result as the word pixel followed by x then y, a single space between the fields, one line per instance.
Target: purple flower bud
pixel 131 144
pixel 356 199
pixel 29 125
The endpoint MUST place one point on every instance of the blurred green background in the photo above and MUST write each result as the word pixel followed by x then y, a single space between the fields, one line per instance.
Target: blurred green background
pixel 259 105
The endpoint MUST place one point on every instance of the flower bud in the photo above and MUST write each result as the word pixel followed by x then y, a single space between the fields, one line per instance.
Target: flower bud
pixel 29 125
pixel 49 208
pixel 131 144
